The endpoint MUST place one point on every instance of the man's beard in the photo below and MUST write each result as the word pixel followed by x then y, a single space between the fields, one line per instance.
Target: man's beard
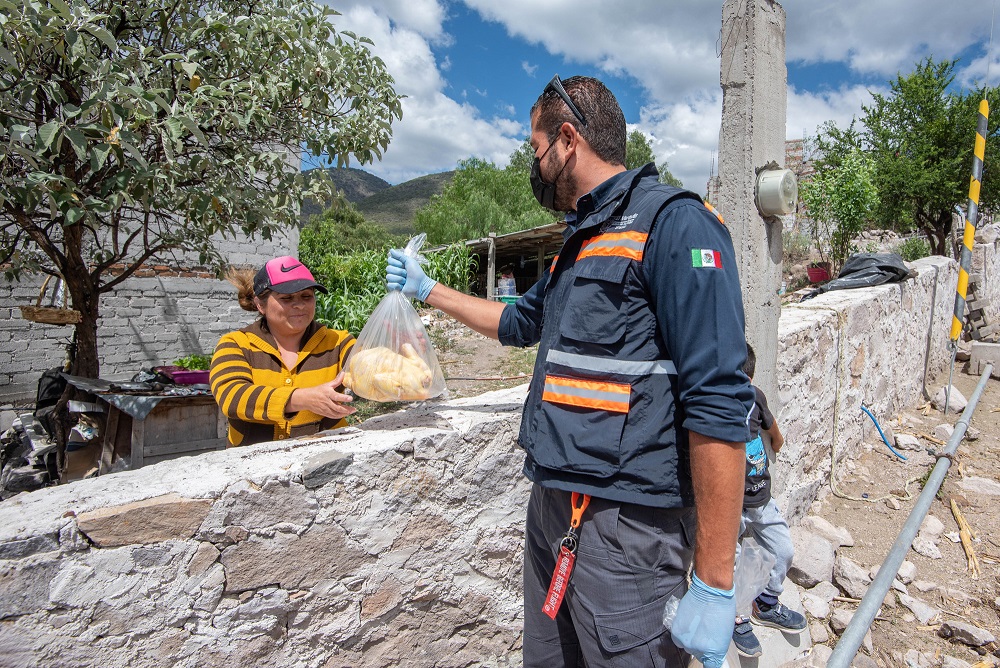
pixel 566 184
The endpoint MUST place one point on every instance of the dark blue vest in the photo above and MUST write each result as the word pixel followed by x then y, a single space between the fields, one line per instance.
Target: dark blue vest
pixel 602 416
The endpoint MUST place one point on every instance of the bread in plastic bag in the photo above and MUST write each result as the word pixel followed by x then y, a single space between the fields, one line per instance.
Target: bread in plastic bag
pixel 393 359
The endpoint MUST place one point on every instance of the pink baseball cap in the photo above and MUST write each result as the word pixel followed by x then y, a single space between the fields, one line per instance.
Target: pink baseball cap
pixel 285 275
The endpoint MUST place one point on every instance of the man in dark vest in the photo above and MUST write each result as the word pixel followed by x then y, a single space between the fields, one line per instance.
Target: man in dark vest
pixel 635 421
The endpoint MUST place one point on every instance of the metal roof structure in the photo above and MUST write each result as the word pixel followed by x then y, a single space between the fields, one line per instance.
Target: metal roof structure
pixel 517 249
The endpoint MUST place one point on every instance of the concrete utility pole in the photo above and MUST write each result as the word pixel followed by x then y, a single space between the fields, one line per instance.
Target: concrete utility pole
pixel 754 90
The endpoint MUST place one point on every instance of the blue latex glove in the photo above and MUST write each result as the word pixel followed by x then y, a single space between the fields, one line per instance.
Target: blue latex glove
pixel 704 622
pixel 404 273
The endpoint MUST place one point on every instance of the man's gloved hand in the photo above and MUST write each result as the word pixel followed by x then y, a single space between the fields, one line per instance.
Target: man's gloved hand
pixel 404 273
pixel 704 622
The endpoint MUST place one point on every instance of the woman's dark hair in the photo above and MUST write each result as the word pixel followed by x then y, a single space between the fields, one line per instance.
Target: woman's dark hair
pixel 605 130
pixel 751 364
pixel 242 278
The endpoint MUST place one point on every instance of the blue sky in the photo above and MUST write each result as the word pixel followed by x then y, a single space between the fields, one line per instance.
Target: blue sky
pixel 472 68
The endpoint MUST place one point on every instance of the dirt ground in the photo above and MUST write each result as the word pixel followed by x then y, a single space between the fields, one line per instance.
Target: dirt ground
pixel 958 593
pixel 474 364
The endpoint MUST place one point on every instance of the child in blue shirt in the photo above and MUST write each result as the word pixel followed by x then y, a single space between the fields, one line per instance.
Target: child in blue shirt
pixel 762 520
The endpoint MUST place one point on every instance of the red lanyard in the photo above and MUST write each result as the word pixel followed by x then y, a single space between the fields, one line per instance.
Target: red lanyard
pixel 567 557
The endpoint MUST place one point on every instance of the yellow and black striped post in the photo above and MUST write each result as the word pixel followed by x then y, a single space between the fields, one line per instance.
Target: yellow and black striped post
pixel 971 214
pixel 968 238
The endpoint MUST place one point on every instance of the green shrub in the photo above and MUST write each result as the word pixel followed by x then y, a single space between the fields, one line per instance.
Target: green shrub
pixel 796 246
pixel 194 362
pixel 356 282
pixel 914 248
pixel 452 266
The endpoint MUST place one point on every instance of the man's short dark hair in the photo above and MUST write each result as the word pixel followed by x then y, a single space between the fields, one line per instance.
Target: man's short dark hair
pixel 605 128
pixel 751 364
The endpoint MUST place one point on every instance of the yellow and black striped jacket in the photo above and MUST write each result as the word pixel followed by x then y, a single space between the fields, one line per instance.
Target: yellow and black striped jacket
pixel 252 385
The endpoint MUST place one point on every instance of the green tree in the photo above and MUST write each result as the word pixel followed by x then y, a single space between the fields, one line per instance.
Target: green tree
pixel 920 137
pixel 638 150
pixel 841 200
pixel 135 131
pixel 480 199
pixel 342 229
pixel 667 177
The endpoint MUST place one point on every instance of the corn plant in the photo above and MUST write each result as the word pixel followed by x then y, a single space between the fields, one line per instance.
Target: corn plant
pixel 356 282
pixel 452 266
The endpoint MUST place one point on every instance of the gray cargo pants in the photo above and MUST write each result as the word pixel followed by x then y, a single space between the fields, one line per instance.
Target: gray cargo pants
pixel 631 559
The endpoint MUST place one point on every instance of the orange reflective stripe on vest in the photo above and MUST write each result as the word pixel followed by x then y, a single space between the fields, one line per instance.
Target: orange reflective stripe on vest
pixel 714 212
pixel 615 244
pixel 612 397
pixel 552 267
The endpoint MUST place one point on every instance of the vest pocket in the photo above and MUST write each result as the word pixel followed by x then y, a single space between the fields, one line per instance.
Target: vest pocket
pixel 581 428
pixel 595 305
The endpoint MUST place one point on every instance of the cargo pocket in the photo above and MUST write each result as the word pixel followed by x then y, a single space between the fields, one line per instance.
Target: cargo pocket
pixel 593 315
pixel 581 423
pixel 621 631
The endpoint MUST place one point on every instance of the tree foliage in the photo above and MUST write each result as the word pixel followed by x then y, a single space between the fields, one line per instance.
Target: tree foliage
pixel 342 229
pixel 920 137
pixel 482 198
pixel 638 150
pixel 841 201
pixel 135 131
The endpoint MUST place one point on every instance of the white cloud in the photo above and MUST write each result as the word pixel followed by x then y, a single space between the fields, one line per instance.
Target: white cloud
pixel 884 37
pixel 807 111
pixel 686 136
pixel 668 47
pixel 424 17
pixel 436 132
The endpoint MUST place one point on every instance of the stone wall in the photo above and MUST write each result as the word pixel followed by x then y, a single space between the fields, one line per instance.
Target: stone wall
pixel 883 347
pixel 396 543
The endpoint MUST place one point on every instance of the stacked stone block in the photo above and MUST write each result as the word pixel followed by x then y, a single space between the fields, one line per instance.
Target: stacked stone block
pixel 396 544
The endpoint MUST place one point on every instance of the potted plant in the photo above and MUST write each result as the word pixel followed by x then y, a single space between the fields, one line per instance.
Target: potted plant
pixel 818 271
pixel 192 370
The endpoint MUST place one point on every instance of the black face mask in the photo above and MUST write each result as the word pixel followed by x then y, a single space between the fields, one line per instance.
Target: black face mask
pixel 544 192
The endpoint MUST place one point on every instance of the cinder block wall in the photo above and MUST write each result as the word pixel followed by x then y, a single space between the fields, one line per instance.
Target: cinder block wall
pixel 149 320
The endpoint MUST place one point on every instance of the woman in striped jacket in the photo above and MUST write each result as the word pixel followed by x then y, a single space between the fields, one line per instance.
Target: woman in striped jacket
pixel 280 377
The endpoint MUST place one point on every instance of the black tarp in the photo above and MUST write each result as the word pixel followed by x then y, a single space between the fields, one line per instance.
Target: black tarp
pixel 864 270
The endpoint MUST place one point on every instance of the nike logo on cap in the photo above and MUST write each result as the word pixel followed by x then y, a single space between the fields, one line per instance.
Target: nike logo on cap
pixel 288 269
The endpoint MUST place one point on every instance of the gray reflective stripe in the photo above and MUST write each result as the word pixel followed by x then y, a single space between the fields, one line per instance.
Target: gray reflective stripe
pixel 600 242
pixel 610 364
pixel 583 393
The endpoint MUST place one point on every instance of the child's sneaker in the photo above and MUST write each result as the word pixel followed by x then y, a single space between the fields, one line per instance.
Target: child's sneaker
pixel 745 640
pixel 778 616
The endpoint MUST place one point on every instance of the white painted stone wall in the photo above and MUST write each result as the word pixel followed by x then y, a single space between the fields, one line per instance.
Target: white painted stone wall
pixel 401 548
pixel 398 543
pixel 852 347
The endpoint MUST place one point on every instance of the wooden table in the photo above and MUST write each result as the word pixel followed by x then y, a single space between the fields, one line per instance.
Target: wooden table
pixel 150 428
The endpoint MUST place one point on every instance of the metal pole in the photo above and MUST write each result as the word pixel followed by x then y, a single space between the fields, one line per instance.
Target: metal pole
pixel 971 218
pixel 862 620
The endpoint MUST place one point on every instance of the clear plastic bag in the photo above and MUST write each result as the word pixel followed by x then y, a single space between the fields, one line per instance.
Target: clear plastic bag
pixel 753 568
pixel 393 359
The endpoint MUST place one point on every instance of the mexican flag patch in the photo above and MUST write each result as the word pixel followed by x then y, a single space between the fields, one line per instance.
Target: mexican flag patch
pixel 706 257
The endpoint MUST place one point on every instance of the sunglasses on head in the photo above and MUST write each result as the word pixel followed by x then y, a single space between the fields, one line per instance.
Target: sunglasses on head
pixel 556 85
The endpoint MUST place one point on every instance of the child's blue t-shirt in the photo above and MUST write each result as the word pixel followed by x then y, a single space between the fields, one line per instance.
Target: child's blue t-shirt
pixel 758 479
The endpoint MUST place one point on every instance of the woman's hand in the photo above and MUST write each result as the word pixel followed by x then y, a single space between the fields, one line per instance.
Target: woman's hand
pixel 323 400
